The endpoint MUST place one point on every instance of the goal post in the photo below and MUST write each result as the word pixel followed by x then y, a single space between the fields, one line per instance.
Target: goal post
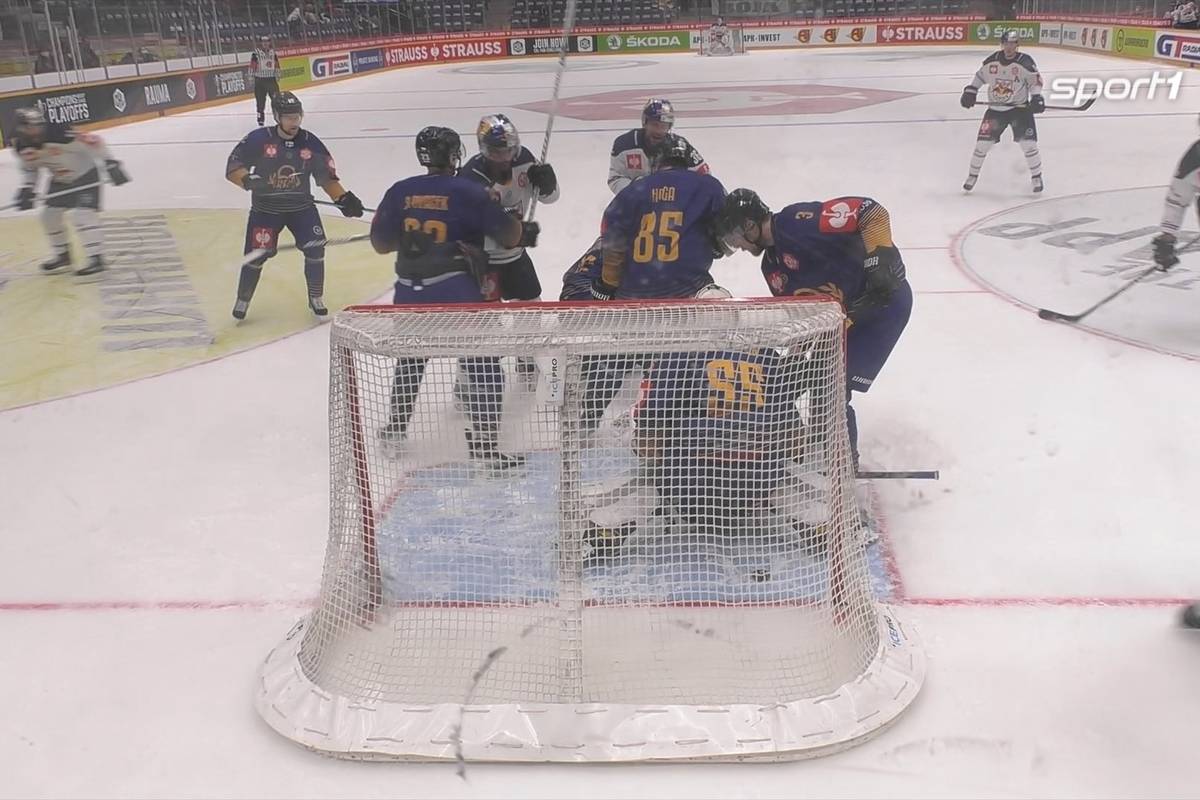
pixel 647 550
pixel 722 41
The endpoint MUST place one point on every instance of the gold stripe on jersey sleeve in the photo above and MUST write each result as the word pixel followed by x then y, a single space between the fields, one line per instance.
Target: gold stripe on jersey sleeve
pixel 876 228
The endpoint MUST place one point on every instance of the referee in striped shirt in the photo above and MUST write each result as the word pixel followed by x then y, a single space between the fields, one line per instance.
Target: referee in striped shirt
pixel 264 68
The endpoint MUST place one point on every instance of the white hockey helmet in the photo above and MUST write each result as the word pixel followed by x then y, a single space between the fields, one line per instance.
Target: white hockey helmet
pixel 498 138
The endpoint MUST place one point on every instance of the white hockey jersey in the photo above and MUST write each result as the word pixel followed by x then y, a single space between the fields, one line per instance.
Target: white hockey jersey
pixel 630 162
pixel 516 196
pixel 1010 83
pixel 1184 188
pixel 65 154
pixel 264 63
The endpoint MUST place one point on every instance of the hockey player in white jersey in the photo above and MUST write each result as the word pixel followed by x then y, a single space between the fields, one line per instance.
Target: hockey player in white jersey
pixel 1014 96
pixel 1185 185
pixel 635 153
pixel 71 158
pixel 511 173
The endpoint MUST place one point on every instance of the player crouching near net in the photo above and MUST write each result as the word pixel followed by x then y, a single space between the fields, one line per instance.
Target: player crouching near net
pixel 841 248
pixel 716 434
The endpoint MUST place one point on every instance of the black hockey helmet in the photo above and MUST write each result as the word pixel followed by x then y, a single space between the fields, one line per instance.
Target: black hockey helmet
pixel 743 210
pixel 439 147
pixel 1010 36
pixel 286 103
pixel 674 152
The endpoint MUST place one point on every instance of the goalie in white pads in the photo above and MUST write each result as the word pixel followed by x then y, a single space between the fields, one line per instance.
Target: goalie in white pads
pixel 720 39
pixel 1184 187
pixel 1014 96
pixel 71 158
pixel 636 153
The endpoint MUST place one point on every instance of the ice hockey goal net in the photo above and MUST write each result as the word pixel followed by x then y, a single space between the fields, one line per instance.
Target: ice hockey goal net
pixel 717 41
pixel 591 532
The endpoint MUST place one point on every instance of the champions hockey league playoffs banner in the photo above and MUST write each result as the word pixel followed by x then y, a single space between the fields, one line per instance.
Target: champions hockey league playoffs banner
pixel 113 101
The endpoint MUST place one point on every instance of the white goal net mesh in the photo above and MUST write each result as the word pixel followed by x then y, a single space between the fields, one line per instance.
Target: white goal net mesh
pixel 549 522
pixel 722 41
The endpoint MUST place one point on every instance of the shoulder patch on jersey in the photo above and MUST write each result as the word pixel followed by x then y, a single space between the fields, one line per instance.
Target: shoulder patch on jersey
pixel 626 141
pixel 524 157
pixel 473 171
pixel 840 215
pixel 996 56
pixel 1190 162
pixel 1026 61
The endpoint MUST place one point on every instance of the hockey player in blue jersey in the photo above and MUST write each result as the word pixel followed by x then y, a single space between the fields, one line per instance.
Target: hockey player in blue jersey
pixel 841 248
pixel 658 232
pixel 436 224
pixel 277 165
pixel 718 429
pixel 579 277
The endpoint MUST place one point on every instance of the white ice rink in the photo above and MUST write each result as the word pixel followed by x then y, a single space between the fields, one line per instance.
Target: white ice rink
pixel 159 537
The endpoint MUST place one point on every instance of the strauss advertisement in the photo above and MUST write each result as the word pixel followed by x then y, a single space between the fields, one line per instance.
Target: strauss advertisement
pixel 429 52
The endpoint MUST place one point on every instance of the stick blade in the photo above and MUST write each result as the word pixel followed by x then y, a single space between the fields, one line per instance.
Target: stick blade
pixel 1055 316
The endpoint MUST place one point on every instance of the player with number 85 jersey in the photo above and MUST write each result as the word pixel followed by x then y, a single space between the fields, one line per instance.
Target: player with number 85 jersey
pixel 657 232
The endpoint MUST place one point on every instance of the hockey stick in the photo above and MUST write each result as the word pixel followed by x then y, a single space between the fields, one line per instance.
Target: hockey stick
pixel 63 193
pixel 335 205
pixel 1091 101
pixel 1057 316
pixel 563 49
pixel 254 255
pixel 915 474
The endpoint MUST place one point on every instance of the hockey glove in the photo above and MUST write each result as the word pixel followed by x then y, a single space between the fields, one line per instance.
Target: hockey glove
pixel 115 173
pixel 543 179
pixel 968 97
pixel 25 198
pixel 1037 104
pixel 252 182
pixel 349 205
pixel 884 271
pixel 529 234
pixel 602 291
pixel 1164 251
